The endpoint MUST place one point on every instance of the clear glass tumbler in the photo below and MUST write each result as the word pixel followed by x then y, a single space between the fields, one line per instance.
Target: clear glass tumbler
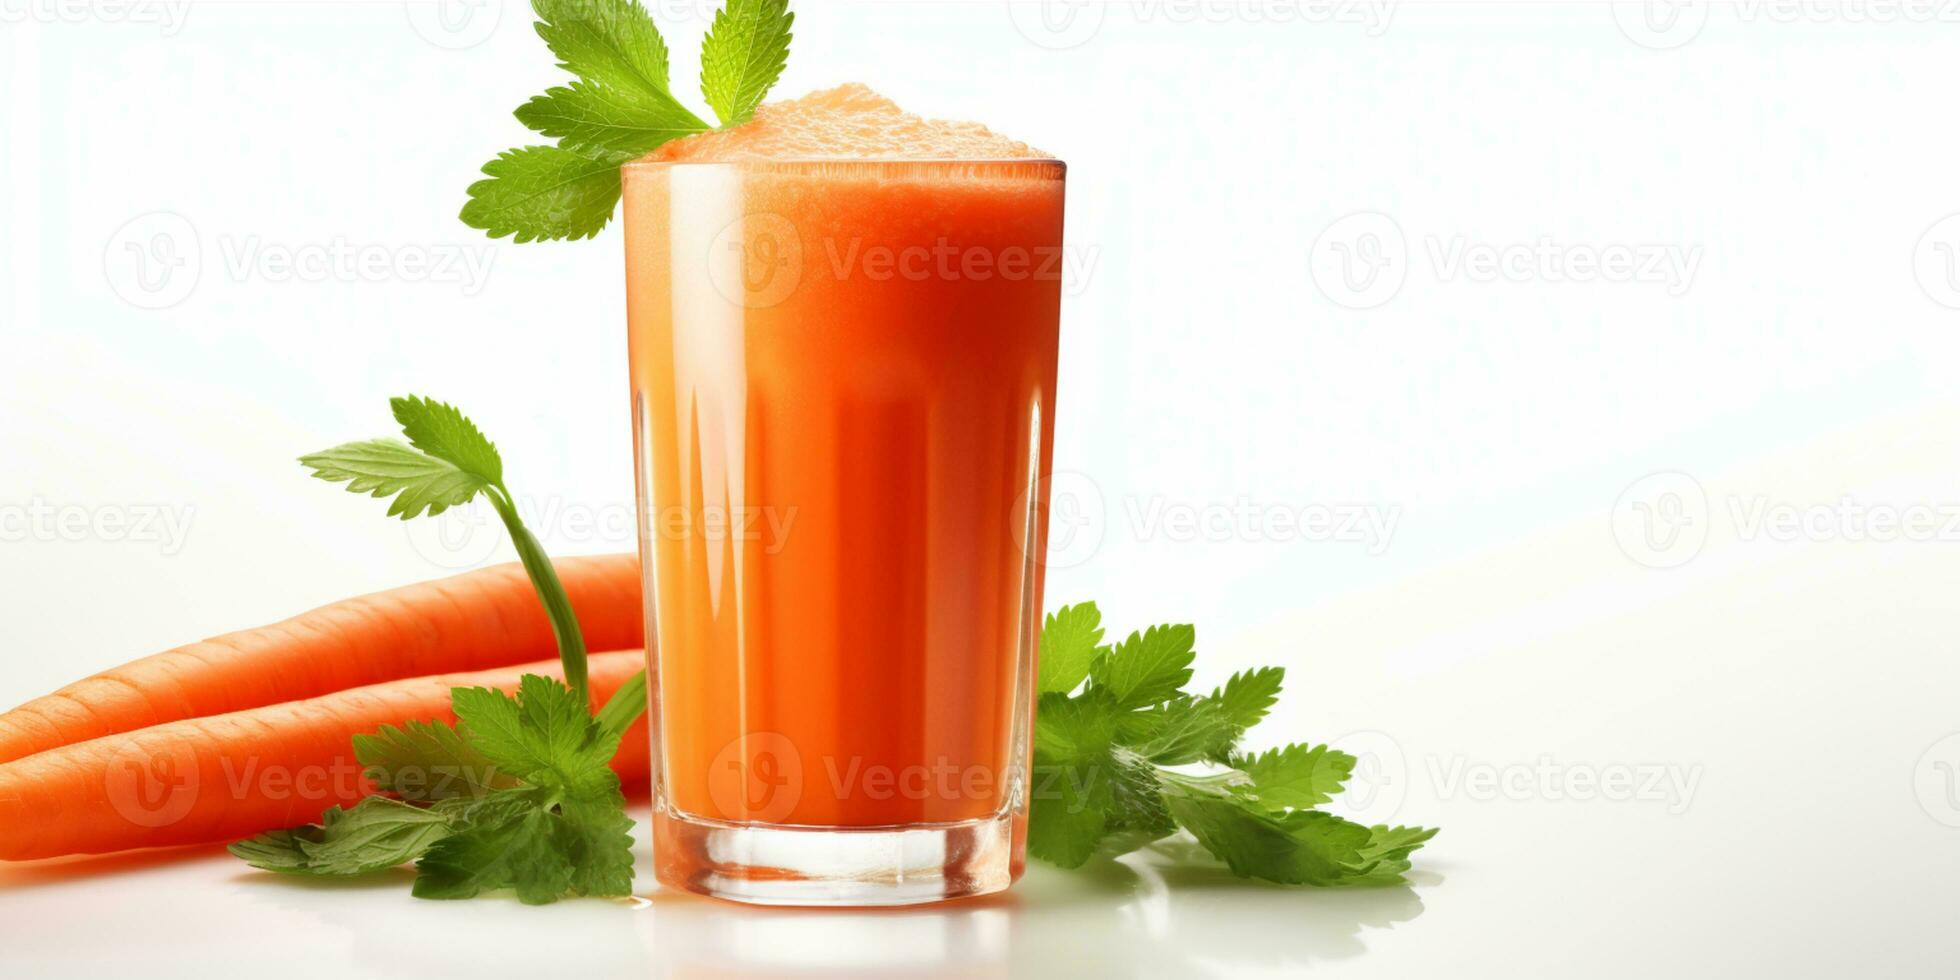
pixel 843 399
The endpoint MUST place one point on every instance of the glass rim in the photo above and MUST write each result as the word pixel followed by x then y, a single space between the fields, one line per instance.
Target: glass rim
pixel 851 163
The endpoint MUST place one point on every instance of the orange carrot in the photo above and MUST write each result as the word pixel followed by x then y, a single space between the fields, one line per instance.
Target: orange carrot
pixel 230 776
pixel 482 619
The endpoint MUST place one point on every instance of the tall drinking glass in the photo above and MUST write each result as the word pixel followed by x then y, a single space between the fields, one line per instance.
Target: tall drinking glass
pixel 843 397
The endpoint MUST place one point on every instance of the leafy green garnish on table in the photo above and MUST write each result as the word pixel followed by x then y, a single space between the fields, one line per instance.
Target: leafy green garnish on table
pixel 565 829
pixel 543 814
pixel 618 108
pixel 518 793
pixel 1112 765
pixel 375 834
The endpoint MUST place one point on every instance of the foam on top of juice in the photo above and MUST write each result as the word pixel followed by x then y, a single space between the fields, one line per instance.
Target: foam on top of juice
pixel 849 122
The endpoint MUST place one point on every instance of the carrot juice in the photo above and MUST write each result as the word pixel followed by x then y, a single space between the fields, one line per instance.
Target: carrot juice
pixel 843 328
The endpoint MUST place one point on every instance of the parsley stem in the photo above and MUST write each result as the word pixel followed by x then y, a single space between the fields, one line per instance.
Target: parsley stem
pixel 544 578
pixel 1214 784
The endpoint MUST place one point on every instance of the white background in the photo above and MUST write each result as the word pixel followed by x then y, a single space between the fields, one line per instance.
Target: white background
pixel 1638 633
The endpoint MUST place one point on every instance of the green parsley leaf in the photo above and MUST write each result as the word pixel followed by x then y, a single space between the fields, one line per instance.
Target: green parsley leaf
pixel 418 481
pixel 428 761
pixel 597 116
pixel 540 868
pixel 1069 813
pixel 545 735
pixel 1248 695
pixel 618 108
pixel 1295 776
pixel 545 192
pixel 1148 667
pixel 477 857
pixel 598 839
pixel 495 721
pixel 441 430
pixel 1071 780
pixel 743 55
pixel 1182 731
pixel 1101 786
pixel 377 833
pixel 274 850
pixel 609 42
pixel 1386 858
pixel 1074 728
pixel 1387 842
pixel 516 840
pixel 1297 847
pixel 1069 636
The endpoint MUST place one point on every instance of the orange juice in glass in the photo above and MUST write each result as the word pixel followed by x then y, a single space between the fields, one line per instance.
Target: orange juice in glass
pixel 842 327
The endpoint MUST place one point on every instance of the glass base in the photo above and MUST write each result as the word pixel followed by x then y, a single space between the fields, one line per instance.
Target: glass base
pixel 767 864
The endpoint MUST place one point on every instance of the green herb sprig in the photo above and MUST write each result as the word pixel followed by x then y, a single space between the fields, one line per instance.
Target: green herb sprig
pixel 518 793
pixel 447 462
pixel 619 107
pixel 1112 765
